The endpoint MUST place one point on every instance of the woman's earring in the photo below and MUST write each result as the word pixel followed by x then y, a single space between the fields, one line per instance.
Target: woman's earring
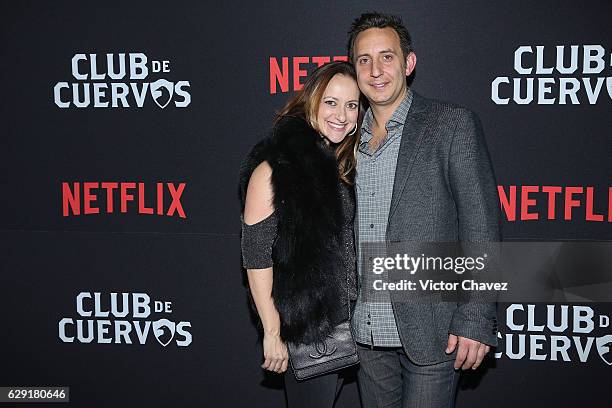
pixel 352 132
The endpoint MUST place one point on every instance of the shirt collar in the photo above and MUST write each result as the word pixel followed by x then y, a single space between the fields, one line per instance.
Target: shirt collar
pixel 397 119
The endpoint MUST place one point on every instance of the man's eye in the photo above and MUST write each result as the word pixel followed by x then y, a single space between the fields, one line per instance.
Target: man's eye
pixel 388 57
pixel 363 60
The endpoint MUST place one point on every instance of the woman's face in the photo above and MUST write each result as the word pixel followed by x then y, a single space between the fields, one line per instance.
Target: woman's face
pixel 339 108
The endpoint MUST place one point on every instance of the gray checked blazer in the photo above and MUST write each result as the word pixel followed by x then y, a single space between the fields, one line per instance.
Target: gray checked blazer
pixel 444 191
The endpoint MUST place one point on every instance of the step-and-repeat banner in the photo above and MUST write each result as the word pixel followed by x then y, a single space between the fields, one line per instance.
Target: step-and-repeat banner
pixel 123 128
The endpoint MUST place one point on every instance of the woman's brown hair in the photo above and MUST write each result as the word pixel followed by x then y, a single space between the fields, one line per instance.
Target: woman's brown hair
pixel 305 105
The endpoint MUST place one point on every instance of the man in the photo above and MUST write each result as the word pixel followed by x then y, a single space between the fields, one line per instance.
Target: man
pixel 423 174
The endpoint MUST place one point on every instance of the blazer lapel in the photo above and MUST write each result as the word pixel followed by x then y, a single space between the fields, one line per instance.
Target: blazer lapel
pixel 412 136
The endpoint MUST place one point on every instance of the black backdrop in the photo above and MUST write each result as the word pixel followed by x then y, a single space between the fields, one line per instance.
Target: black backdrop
pixel 227 52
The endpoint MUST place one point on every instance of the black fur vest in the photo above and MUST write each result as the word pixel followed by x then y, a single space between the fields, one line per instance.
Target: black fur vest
pixel 308 268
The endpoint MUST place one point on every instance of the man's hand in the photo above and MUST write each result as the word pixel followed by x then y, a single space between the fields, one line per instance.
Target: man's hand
pixel 470 352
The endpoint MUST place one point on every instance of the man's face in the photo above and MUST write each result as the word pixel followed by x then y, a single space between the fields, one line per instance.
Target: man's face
pixel 381 68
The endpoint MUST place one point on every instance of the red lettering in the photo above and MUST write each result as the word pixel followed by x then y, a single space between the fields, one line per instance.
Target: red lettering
pixel 508 202
pixel 278 75
pixel 141 201
pixel 160 198
pixel 279 70
pixel 88 198
pixel 609 204
pixel 590 216
pixel 526 202
pixel 176 199
pixel 508 205
pixel 552 192
pixel 298 73
pixel 125 197
pixel 70 199
pixel 109 195
pixel 320 61
pixel 570 202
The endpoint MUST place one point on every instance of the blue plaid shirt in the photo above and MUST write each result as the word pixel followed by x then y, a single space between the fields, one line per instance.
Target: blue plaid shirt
pixel 373 320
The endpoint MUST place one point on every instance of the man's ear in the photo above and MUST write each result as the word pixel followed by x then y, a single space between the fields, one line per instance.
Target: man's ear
pixel 411 61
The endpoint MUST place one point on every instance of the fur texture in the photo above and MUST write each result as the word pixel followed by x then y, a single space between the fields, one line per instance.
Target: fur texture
pixel 306 253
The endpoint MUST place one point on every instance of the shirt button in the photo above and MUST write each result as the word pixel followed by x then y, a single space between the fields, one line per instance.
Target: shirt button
pixel 371 225
pixel 369 315
pixel 368 323
pixel 372 193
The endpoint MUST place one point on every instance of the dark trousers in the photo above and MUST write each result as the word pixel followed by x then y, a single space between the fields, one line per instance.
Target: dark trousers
pixel 317 392
pixel 387 378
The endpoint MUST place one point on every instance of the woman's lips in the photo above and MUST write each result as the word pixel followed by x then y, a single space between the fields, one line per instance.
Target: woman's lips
pixel 336 126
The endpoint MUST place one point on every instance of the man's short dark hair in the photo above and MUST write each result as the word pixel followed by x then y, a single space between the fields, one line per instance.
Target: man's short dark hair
pixel 378 20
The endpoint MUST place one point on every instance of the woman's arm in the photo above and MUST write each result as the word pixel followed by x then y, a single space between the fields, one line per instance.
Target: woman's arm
pixel 258 206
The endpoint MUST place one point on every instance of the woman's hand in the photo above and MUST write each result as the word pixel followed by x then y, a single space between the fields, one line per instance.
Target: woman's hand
pixel 276 357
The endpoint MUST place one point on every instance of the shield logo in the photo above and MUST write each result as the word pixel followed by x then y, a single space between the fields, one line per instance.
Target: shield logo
pixel 162 91
pixel 164 331
pixel 604 347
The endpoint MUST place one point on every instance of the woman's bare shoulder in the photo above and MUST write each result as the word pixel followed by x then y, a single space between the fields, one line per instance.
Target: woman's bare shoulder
pixel 258 205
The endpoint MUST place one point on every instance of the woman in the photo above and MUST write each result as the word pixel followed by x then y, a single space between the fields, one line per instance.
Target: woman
pixel 297 233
